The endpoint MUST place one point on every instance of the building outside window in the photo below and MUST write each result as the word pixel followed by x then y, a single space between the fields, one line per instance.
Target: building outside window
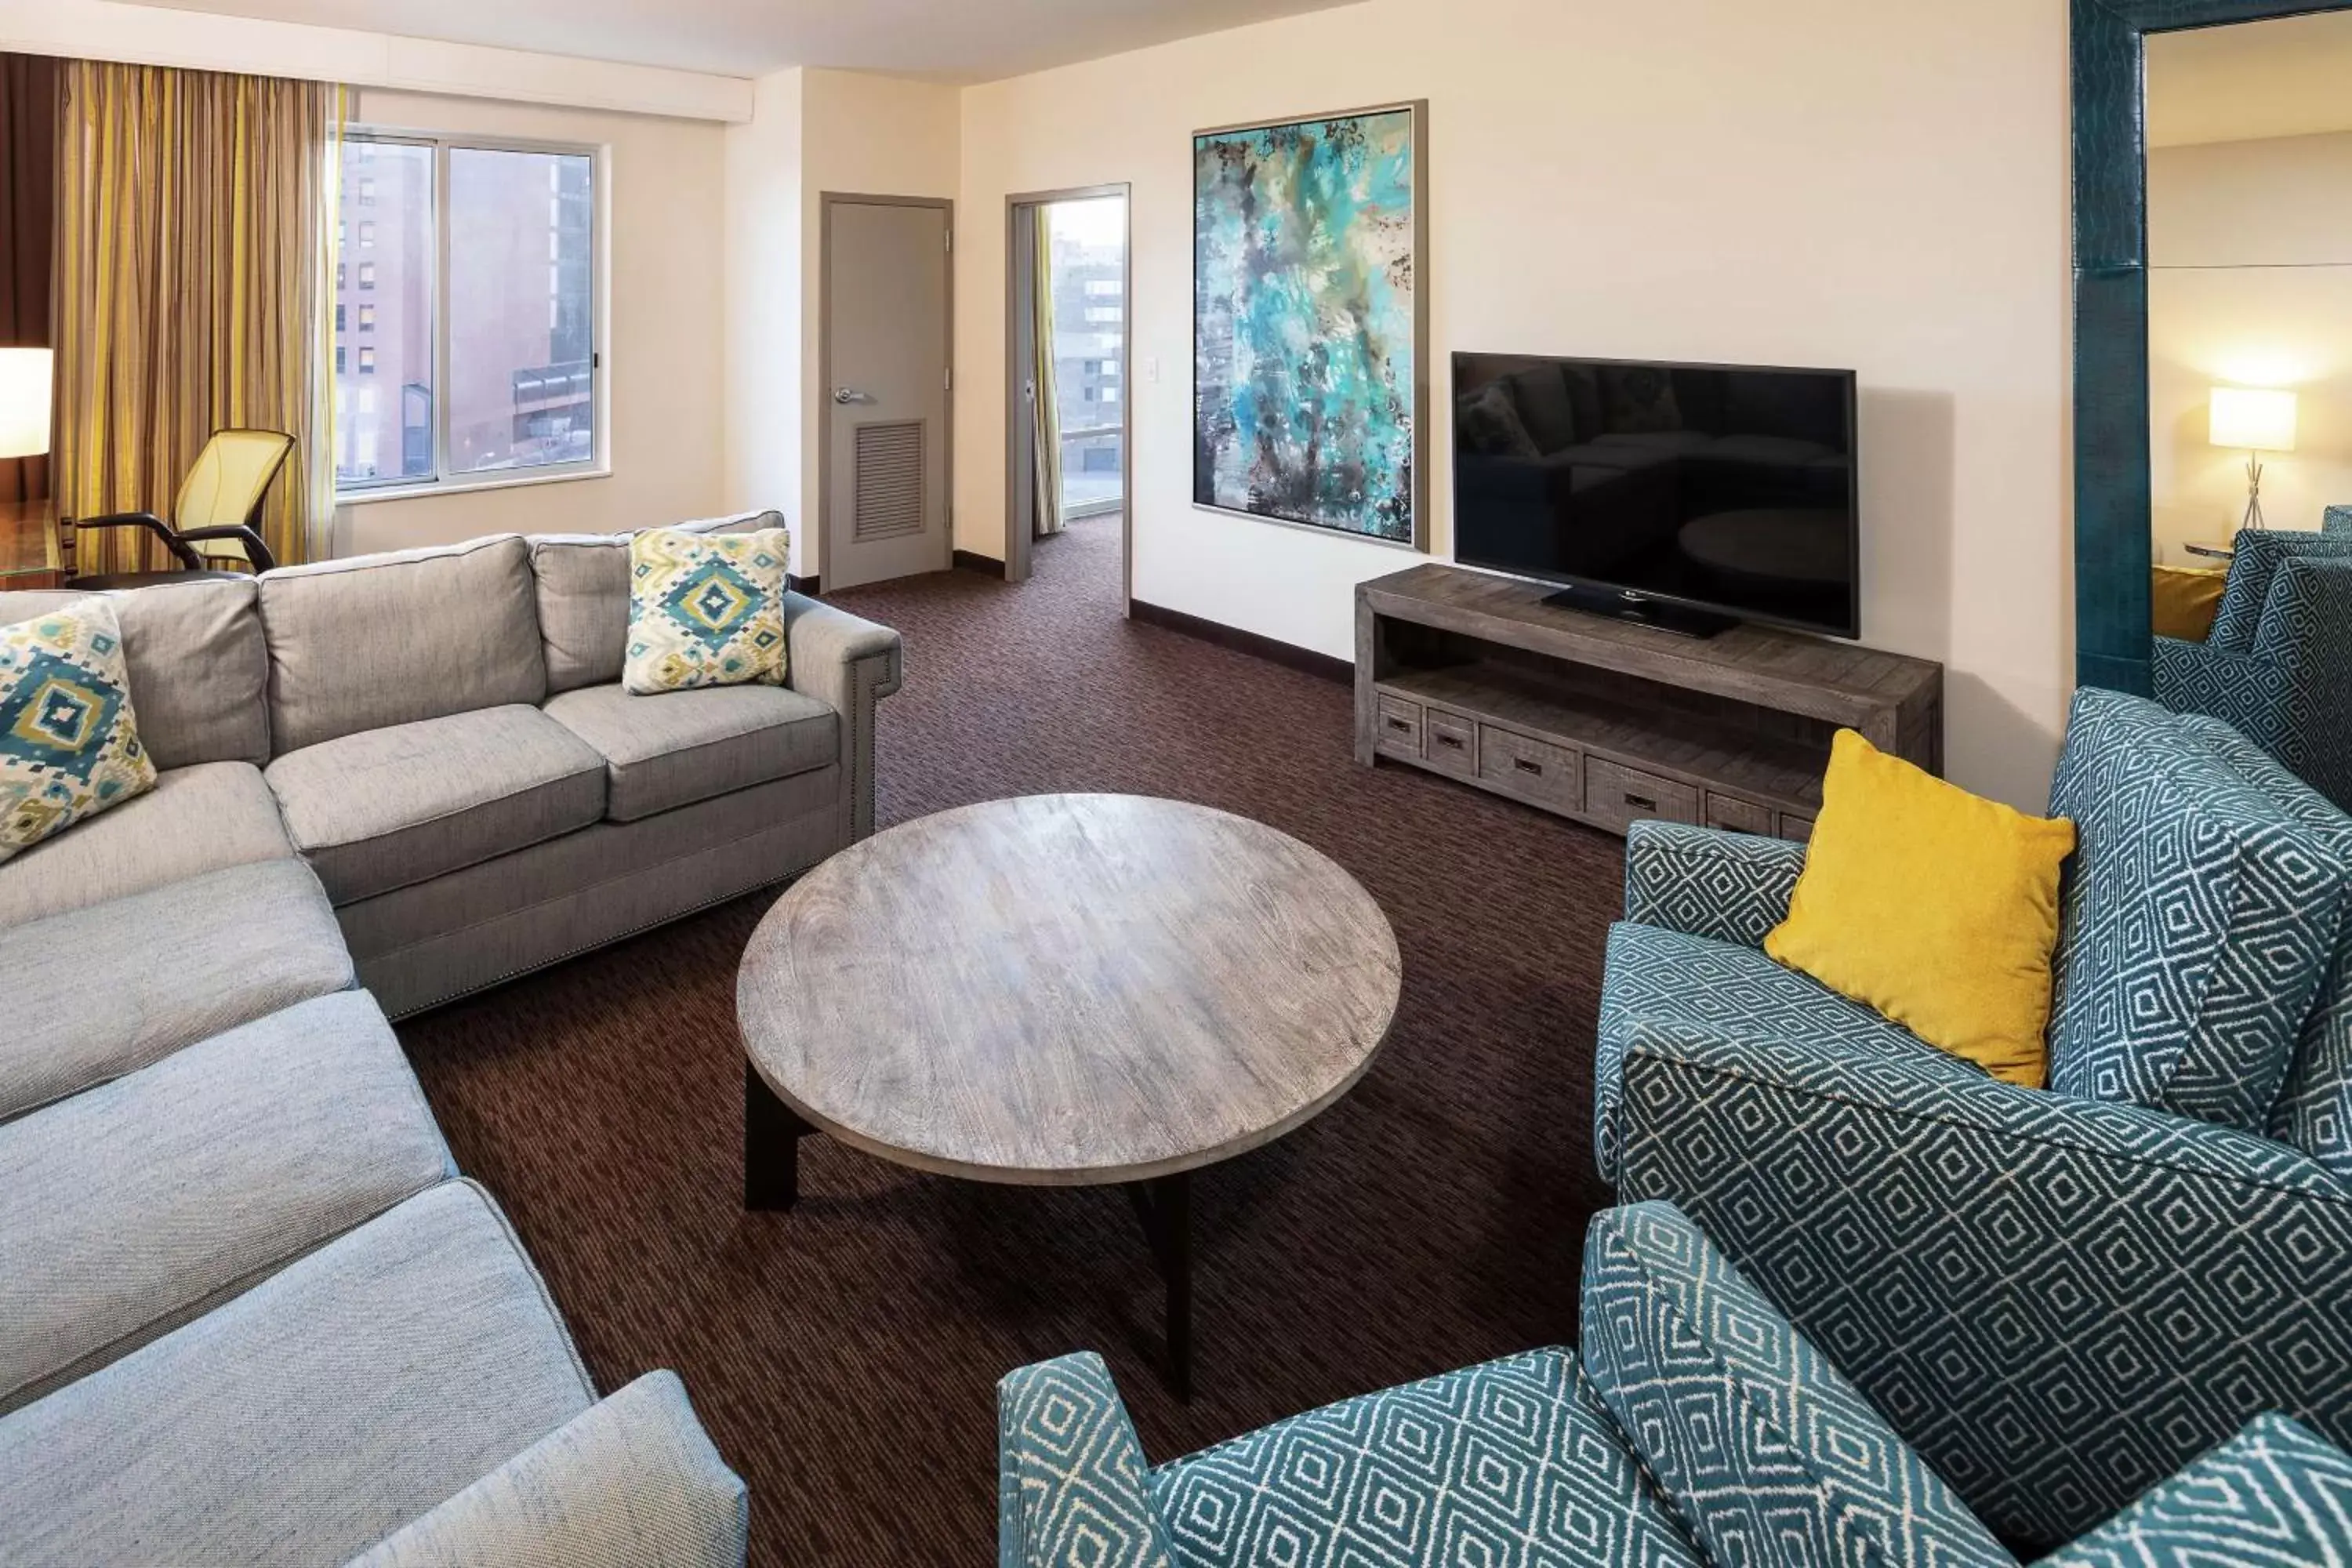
pixel 482 311
pixel 1089 288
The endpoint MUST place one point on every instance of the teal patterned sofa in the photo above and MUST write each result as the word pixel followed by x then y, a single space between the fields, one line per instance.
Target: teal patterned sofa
pixel 2278 664
pixel 2056 1296
pixel 1696 1426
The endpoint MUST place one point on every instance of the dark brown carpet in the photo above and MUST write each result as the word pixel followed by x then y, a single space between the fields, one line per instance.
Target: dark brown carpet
pixel 844 1356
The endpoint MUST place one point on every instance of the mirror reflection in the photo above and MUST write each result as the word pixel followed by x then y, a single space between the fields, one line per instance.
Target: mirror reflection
pixel 2250 382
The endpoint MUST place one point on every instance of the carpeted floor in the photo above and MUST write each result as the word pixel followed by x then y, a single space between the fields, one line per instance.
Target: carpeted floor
pixel 844 1355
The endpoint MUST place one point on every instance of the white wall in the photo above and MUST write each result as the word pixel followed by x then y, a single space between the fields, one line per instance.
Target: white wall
pixel 664 214
pixel 1822 181
pixel 813 132
pixel 2250 285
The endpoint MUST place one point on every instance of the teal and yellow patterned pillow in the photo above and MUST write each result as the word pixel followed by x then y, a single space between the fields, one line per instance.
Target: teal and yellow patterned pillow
pixel 69 743
pixel 706 609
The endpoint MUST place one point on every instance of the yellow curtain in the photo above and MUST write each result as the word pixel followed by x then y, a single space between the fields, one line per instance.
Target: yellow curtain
pixel 196 248
pixel 1045 407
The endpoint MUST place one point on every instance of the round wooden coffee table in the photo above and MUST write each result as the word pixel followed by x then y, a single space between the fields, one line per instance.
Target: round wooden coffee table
pixel 1073 990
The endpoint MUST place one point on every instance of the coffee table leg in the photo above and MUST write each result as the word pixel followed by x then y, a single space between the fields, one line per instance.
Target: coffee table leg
pixel 772 1131
pixel 1165 1205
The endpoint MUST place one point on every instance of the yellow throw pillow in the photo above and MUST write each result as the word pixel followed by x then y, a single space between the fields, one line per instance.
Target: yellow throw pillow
pixel 2187 600
pixel 1937 908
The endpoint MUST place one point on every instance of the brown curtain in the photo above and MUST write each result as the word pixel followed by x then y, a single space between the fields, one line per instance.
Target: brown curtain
pixel 196 239
pixel 28 188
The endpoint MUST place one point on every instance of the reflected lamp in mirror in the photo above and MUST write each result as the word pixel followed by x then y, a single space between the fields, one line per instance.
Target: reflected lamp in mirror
pixel 2253 421
pixel 24 401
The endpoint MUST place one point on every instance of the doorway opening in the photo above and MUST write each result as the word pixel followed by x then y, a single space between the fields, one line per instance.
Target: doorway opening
pixel 1069 402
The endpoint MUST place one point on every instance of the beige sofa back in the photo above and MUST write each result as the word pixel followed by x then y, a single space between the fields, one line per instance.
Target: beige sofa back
pixel 582 584
pixel 379 640
pixel 196 661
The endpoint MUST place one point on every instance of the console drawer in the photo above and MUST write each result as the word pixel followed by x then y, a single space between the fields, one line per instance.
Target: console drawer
pixel 1449 743
pixel 1799 829
pixel 1537 772
pixel 1396 727
pixel 1734 815
pixel 1620 797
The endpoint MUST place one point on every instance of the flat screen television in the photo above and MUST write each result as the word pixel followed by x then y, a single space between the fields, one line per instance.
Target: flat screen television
pixel 1686 496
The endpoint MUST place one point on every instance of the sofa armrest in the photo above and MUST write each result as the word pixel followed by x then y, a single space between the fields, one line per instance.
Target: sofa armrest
pixel 1070 1490
pixel 2057 1302
pixel 1767 1453
pixel 1701 881
pixel 632 1480
pixel 849 664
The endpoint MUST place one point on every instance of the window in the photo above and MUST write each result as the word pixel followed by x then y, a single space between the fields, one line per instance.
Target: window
pixel 338 359
pixel 482 269
pixel 1094 313
pixel 338 316
pixel 367 318
pixel 1099 287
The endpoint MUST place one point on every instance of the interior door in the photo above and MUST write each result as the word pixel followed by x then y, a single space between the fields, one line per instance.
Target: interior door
pixel 885 335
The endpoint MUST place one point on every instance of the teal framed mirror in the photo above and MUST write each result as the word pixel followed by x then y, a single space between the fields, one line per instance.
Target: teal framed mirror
pixel 2113 550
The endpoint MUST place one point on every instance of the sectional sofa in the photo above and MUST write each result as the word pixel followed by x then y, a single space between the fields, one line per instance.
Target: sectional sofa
pixel 249 1310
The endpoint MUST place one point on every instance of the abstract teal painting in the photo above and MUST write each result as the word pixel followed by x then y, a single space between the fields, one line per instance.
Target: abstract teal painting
pixel 1308 322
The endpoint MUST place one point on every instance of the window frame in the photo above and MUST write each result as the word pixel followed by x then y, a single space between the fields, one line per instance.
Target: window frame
pixel 442 481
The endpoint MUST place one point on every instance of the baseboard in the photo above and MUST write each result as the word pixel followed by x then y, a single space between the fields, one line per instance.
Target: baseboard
pixel 808 585
pixel 1289 655
pixel 986 565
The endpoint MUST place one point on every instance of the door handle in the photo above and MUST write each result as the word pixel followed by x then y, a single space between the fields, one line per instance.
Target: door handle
pixel 848 395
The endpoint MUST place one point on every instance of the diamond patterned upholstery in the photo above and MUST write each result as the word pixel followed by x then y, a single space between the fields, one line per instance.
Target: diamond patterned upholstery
pixel 1070 1488
pixel 2057 1301
pixel 1729 886
pixel 2278 665
pixel 1768 1452
pixel 1667 976
pixel 2273 1494
pixel 1514 1462
pixel 2199 920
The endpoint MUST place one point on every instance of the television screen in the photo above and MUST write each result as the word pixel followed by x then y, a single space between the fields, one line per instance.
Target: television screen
pixel 1655 490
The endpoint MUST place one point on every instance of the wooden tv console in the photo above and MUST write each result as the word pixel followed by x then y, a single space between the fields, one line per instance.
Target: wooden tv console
pixel 1474 677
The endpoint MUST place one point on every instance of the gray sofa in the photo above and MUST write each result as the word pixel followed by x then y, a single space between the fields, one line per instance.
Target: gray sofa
pixel 248 1312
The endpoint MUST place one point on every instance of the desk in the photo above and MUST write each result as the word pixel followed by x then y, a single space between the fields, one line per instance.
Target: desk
pixel 29 545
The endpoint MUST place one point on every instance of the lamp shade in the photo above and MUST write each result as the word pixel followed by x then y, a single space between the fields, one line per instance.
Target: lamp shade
pixel 24 401
pixel 2248 420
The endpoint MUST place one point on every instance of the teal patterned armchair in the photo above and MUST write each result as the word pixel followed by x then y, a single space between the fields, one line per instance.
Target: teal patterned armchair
pixel 1696 1426
pixel 2278 664
pixel 2056 1296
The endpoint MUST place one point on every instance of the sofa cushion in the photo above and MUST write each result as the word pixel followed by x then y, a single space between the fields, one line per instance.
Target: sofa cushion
pixel 582 583
pixel 2313 1111
pixel 2275 1493
pixel 2199 922
pixel 195 820
pixel 2256 557
pixel 1544 408
pixel 69 745
pixel 384 808
pixel 380 640
pixel 308 1418
pixel 132 1208
pixel 199 670
pixel 632 1480
pixel 679 747
pixel 92 993
pixel 1515 1461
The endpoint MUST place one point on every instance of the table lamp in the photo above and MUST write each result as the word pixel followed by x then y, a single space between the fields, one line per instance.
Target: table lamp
pixel 2252 421
pixel 24 401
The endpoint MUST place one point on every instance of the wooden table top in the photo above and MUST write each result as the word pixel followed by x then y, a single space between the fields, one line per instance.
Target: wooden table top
pixel 1068 990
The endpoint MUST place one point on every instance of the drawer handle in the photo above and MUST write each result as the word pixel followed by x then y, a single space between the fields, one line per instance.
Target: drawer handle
pixel 1526 766
pixel 1453 740
pixel 1641 803
pixel 1404 724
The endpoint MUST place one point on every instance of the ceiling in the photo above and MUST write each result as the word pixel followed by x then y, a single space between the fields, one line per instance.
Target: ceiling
pixel 2287 77
pixel 943 40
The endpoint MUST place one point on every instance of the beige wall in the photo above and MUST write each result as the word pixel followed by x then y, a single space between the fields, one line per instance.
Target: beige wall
pixel 2251 245
pixel 1828 181
pixel 662 340
pixel 812 132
